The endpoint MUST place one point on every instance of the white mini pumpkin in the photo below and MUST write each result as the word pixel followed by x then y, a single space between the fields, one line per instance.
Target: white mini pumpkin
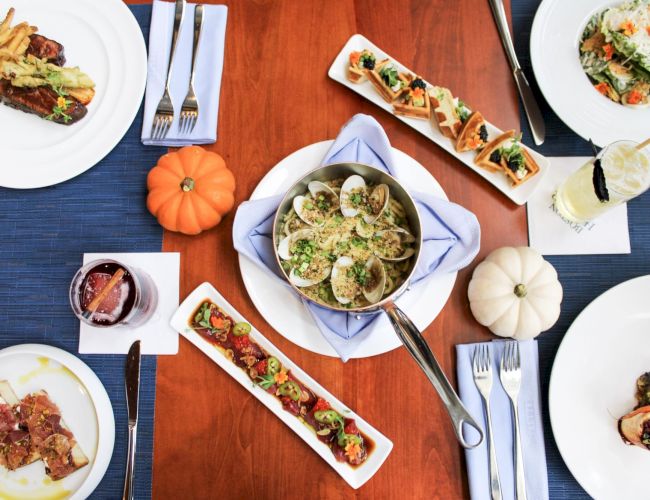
pixel 515 293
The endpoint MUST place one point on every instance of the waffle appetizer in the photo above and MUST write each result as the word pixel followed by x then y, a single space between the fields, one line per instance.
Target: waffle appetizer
pixel 490 156
pixel 360 64
pixel 414 101
pixel 515 160
pixel 473 135
pixel 388 81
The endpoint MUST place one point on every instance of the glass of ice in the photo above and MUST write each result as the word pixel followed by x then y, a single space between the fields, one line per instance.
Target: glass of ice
pixel 627 175
pixel 107 293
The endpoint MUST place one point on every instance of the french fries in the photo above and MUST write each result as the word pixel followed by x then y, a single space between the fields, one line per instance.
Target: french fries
pixel 14 41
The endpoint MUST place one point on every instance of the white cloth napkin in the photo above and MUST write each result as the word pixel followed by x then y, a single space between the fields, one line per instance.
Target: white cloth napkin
pixel 209 66
pixel 156 335
pixel 530 419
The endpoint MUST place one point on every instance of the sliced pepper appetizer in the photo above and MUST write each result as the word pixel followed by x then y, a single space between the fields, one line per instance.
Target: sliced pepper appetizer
pixel 340 434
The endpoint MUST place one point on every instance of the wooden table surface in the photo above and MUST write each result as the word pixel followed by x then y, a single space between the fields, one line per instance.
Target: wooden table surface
pixel 212 438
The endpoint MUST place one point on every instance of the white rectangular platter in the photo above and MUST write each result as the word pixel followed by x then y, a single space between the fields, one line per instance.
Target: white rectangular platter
pixel 429 129
pixel 354 476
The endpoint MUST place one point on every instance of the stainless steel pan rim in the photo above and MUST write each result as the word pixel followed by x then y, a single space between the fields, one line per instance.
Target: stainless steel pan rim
pixel 403 326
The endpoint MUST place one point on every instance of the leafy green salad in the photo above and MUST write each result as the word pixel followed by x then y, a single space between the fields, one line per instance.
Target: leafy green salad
pixel 615 53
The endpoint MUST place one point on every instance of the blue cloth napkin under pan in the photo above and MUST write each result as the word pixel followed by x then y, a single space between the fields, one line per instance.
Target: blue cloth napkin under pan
pixel 530 423
pixel 209 65
pixel 451 234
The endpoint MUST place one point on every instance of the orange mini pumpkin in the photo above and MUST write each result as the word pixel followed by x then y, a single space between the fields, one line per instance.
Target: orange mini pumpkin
pixel 190 190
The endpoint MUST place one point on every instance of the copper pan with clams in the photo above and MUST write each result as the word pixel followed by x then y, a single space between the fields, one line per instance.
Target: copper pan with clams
pixel 404 327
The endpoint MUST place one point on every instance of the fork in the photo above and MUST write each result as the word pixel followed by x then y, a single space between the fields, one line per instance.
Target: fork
pixel 510 375
pixel 162 120
pixel 190 107
pixel 482 369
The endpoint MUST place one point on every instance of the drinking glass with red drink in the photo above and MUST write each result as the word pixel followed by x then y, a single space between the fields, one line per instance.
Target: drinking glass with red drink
pixel 106 293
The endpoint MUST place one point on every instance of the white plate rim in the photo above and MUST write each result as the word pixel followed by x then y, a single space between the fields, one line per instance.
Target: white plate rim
pixel 442 285
pixel 555 381
pixel 101 402
pixel 355 477
pixel 588 101
pixel 130 100
pixel 428 129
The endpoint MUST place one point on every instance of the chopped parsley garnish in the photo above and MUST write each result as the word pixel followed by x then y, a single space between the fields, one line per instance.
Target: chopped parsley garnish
pixel 359 272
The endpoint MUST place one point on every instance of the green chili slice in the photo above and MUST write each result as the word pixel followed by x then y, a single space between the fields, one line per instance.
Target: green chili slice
pixel 290 389
pixel 240 329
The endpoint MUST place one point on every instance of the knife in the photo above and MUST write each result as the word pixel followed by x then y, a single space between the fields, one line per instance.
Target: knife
pixel 132 384
pixel 531 107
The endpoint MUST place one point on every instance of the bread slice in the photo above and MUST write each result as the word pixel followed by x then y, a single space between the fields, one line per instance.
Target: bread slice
pixel 56 444
pixel 444 109
pixel 16 446
pixel 472 135
pixel 384 90
pixel 404 106
pixel 531 168
pixel 483 158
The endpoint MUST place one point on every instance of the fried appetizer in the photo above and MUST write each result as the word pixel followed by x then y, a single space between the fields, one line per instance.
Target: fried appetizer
pixel 389 82
pixel 473 135
pixel 414 101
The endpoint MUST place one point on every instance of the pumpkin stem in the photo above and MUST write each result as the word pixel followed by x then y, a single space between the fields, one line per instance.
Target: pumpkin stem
pixel 187 185
pixel 520 290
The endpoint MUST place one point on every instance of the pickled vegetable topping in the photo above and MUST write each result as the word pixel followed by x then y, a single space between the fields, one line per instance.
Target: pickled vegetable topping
pixel 340 434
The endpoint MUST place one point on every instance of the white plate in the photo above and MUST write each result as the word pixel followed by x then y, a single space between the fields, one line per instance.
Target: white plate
pixel 554 50
pixel 356 476
pixel 429 129
pixel 282 308
pixel 593 384
pixel 86 410
pixel 104 40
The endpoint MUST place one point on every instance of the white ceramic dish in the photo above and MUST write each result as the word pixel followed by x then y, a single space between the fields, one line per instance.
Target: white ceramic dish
pixel 105 41
pixel 554 50
pixel 593 384
pixel 86 410
pixel 355 477
pixel 429 129
pixel 282 308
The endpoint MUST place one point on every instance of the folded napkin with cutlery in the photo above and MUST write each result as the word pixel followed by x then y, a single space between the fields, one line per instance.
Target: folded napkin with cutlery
pixel 451 234
pixel 209 65
pixel 530 417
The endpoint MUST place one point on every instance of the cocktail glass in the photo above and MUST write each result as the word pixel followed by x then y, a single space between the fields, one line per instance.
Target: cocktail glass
pixel 107 293
pixel 627 175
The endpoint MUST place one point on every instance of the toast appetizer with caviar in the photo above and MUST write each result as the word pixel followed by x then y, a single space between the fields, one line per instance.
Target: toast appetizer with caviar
pixel 55 443
pixel 414 101
pixel 16 447
pixel 444 110
pixel 473 135
pixel 388 81
pixel 634 427
pixel 490 156
pixel 33 78
pixel 360 64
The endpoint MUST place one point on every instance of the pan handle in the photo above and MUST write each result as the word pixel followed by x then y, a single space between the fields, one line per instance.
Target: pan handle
pixel 419 349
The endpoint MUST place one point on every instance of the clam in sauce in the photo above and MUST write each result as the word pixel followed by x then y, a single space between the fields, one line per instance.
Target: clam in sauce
pixel 346 244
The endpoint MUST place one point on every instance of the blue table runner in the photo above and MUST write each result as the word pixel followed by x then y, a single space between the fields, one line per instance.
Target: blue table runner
pixel 45 233
pixel 583 277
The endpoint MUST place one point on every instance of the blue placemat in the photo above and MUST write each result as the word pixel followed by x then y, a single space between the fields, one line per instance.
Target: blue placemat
pixel 44 235
pixel 583 277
